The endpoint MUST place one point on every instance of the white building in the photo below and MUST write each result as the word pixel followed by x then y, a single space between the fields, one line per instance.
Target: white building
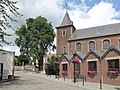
pixel 6 64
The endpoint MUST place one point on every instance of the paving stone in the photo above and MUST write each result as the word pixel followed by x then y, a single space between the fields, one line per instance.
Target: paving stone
pixel 33 81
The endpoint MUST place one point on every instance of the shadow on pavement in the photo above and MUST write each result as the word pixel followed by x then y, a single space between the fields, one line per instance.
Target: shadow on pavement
pixel 117 88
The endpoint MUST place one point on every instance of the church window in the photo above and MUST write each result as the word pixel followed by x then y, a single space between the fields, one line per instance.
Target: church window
pixel 78 47
pixel 91 45
pixel 106 44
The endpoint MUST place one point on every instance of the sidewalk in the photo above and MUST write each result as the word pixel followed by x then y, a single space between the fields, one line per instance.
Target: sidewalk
pixel 87 85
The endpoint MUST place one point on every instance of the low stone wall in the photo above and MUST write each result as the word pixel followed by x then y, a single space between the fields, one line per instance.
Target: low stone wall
pixel 26 68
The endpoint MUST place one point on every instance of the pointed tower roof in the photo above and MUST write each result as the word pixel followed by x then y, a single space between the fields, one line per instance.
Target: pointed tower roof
pixel 66 20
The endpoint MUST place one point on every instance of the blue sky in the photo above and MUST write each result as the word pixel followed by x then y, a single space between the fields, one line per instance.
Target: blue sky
pixel 83 13
pixel 91 3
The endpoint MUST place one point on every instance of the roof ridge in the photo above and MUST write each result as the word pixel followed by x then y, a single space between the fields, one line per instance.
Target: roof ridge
pixel 98 26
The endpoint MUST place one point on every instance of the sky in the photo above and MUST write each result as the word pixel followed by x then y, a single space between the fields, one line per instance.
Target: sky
pixel 83 13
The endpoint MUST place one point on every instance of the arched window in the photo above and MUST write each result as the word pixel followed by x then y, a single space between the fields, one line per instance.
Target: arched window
pixel 63 32
pixel 91 45
pixel 78 47
pixel 106 44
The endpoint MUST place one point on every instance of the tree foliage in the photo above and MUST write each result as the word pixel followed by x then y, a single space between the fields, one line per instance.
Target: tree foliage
pixel 51 68
pixel 7 10
pixel 35 38
pixel 18 60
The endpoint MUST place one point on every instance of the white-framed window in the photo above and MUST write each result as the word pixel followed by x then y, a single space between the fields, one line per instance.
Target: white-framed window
pixel 91 45
pixel 64 67
pixel 63 33
pixel 106 44
pixel 79 47
pixel 113 64
pixel 92 66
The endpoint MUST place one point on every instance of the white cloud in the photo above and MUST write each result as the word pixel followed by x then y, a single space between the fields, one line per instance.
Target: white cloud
pixel 46 8
pixel 101 13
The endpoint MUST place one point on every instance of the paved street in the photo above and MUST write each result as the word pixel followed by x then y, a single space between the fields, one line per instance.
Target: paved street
pixel 32 81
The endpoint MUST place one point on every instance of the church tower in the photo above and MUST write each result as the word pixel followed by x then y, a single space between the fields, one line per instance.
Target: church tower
pixel 64 32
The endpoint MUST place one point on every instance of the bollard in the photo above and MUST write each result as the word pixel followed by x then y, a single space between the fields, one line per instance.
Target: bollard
pixel 100 84
pixel 83 81
pixel 64 77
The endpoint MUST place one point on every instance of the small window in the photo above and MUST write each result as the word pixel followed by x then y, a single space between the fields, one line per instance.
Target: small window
pixel 64 33
pixel 91 45
pixel 106 44
pixel 77 66
pixel 92 66
pixel 78 47
pixel 113 64
pixel 64 67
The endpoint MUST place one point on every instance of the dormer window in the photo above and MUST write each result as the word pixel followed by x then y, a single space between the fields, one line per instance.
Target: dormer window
pixel 63 33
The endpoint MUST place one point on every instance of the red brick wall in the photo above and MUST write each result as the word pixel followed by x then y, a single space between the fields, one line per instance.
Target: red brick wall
pixel 115 80
pixel 72 68
pixel 92 78
pixel 85 43
pixel 68 68
pixel 84 65
pixel 62 41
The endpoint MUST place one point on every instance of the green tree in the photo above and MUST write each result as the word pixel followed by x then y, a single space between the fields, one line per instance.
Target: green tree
pixel 16 61
pixel 7 10
pixel 36 38
pixel 23 58
pixel 51 68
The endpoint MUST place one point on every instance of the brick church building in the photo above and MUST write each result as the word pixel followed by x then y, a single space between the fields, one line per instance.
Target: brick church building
pixel 96 51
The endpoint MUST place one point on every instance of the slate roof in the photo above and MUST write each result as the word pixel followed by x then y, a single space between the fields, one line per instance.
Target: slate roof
pixel 81 55
pixel 112 48
pixel 104 30
pixel 98 53
pixel 66 21
pixel 68 57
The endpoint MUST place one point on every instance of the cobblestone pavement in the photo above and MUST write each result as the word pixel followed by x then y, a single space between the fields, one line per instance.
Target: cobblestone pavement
pixel 33 81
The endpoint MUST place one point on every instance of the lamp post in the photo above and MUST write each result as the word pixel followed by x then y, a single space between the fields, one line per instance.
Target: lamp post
pixel 74 67
pixel 101 77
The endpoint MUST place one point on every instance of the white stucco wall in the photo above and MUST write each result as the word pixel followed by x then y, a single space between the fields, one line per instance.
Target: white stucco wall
pixel 7 59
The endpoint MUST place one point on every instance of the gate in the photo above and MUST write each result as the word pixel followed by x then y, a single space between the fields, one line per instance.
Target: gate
pixel 1 71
